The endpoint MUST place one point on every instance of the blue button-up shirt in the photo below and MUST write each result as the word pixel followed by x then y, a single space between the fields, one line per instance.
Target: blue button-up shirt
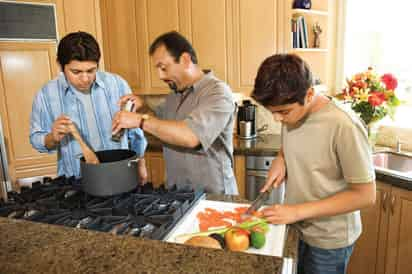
pixel 57 98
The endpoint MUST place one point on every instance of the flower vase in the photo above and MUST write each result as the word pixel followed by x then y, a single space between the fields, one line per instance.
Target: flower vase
pixel 372 129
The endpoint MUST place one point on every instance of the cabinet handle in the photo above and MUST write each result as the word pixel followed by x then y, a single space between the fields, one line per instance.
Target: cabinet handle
pixel 385 195
pixel 393 205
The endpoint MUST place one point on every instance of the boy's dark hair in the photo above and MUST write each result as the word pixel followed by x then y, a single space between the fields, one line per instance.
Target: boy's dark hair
pixel 282 79
pixel 80 46
pixel 175 44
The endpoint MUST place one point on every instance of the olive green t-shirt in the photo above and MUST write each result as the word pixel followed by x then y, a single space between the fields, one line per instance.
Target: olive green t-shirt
pixel 328 151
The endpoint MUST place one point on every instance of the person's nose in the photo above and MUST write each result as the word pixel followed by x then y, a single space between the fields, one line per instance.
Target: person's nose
pixel 84 77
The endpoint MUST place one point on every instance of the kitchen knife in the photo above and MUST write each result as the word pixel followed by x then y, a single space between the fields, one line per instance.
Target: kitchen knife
pixel 257 203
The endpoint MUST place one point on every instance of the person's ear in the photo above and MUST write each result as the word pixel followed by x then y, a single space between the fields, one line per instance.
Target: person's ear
pixel 60 66
pixel 310 94
pixel 185 59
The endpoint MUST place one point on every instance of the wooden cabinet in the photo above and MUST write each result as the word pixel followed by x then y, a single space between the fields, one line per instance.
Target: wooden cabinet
pixel 399 245
pixel 255 32
pixel 240 174
pixel 156 169
pixel 386 241
pixel 24 68
pixel 231 37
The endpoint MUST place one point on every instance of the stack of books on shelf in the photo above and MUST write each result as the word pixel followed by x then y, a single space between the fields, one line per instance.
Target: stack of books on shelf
pixel 299 32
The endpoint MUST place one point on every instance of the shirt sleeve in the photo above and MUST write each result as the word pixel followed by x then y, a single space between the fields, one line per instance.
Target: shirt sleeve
pixel 123 86
pixel 354 154
pixel 40 124
pixel 138 142
pixel 212 115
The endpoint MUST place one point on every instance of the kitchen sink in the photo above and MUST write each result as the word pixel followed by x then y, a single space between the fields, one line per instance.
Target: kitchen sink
pixel 393 164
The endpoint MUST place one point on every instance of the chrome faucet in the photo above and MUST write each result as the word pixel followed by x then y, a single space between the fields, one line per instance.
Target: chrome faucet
pixel 398 145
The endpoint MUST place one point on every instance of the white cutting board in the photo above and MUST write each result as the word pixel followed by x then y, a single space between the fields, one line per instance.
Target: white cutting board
pixel 275 237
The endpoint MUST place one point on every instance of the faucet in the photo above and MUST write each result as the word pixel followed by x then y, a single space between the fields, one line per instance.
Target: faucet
pixel 398 145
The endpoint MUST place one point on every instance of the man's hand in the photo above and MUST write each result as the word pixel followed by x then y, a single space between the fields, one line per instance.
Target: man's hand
pixel 276 173
pixel 125 119
pixel 136 100
pixel 60 128
pixel 281 214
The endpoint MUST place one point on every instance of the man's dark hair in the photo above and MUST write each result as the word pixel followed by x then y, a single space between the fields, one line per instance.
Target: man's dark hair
pixel 80 46
pixel 282 79
pixel 175 44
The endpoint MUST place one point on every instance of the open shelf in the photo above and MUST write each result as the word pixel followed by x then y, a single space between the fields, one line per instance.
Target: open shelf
pixel 311 11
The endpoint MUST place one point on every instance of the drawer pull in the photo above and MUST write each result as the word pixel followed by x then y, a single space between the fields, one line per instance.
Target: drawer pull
pixel 393 205
pixel 385 196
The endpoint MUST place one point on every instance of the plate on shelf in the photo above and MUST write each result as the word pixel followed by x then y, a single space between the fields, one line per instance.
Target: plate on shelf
pixel 275 237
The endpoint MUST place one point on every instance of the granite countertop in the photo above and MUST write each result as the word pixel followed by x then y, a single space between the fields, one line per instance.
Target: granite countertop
pixel 27 247
pixel 262 145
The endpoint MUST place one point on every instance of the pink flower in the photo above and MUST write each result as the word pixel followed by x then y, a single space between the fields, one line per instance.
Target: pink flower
pixel 390 81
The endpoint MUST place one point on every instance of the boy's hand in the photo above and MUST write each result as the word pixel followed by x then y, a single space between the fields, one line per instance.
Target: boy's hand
pixel 276 174
pixel 281 214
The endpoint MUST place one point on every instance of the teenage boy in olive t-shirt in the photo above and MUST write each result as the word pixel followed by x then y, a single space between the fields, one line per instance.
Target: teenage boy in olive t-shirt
pixel 327 159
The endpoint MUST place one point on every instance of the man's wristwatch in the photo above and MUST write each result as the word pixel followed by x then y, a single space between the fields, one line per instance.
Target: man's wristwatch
pixel 143 119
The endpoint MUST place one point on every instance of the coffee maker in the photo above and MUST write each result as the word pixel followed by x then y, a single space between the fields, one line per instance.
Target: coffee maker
pixel 246 120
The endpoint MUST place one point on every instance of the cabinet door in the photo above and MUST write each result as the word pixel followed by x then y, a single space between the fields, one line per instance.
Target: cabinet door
pixel 120 42
pixel 80 15
pixel 24 69
pixel 153 18
pixel 399 251
pixel 255 31
pixel 156 168
pixel 368 254
pixel 240 174
pixel 206 25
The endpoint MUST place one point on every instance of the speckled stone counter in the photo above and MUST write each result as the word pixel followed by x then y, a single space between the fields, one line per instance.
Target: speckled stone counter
pixel 263 145
pixel 27 247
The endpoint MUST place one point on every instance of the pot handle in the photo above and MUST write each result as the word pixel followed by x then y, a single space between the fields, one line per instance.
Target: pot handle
pixel 135 161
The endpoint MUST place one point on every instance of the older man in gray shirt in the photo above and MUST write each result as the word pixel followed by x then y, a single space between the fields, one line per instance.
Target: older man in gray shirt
pixel 195 122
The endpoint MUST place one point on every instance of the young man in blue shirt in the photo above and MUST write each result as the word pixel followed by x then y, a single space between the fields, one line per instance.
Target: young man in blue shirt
pixel 83 96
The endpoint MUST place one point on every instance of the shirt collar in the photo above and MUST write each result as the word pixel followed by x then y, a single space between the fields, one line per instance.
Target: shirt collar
pixel 66 86
pixel 208 74
pixel 199 84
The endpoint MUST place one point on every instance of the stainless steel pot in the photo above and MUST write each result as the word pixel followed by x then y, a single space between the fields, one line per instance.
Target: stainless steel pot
pixel 116 173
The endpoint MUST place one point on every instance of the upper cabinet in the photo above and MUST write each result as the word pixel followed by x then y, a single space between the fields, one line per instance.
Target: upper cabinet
pixel 254 30
pixel 231 37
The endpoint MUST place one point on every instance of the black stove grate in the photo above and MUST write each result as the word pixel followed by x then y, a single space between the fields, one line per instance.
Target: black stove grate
pixel 144 212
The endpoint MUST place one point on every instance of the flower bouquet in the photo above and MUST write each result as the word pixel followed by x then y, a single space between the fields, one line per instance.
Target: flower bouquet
pixel 371 96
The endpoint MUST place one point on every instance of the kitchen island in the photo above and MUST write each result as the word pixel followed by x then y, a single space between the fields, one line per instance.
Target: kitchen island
pixel 28 247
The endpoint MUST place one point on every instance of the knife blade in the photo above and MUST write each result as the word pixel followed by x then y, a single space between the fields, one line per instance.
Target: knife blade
pixel 258 202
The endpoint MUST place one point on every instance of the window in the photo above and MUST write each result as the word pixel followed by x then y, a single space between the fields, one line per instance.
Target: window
pixel 378 34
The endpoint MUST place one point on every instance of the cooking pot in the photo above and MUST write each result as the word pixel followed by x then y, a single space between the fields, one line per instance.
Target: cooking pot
pixel 116 173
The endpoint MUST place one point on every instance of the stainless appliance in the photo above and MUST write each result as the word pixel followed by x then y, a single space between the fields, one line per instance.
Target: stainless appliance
pixel 257 168
pixel 5 184
pixel 246 120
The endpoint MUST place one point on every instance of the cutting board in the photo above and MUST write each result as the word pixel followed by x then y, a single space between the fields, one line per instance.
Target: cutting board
pixel 275 237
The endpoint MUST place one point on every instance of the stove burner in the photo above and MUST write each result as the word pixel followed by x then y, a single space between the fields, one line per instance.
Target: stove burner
pixel 145 212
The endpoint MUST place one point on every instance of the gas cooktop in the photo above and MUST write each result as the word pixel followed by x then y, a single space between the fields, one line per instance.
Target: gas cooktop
pixel 144 212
